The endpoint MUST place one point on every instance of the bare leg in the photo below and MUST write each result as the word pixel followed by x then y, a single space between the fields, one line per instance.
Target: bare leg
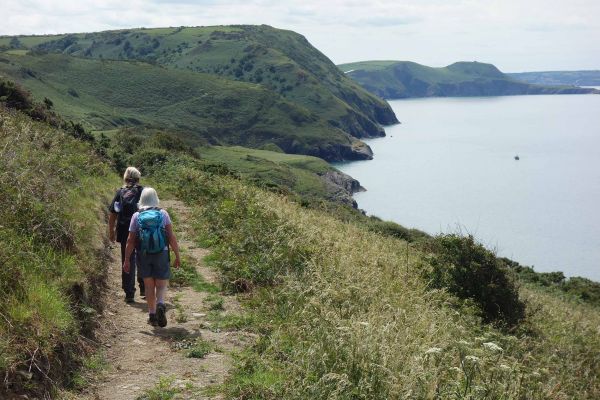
pixel 161 289
pixel 150 294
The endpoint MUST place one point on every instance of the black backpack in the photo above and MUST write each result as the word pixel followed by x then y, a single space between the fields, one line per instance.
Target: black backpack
pixel 129 198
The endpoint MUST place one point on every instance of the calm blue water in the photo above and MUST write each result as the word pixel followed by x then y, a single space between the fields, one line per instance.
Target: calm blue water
pixel 450 167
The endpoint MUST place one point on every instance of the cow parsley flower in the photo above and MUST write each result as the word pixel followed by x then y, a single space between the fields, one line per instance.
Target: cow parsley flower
pixel 434 350
pixel 491 346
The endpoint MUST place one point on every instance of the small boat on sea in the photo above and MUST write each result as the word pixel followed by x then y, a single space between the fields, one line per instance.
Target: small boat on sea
pixel 517 157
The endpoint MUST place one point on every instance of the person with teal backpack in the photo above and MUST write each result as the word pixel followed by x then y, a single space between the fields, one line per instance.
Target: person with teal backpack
pixel 151 232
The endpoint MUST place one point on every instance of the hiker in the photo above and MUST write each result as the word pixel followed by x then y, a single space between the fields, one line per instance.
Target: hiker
pixel 152 232
pixel 122 208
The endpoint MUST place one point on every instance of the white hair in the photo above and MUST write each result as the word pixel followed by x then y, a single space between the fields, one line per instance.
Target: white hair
pixel 132 174
pixel 149 198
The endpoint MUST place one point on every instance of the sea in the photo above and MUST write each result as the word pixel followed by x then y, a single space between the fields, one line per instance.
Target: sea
pixel 520 173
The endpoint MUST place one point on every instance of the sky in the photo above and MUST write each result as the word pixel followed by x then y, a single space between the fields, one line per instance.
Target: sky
pixel 515 35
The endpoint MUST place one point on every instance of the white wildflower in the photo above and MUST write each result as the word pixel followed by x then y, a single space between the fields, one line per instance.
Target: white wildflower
pixel 434 350
pixel 479 389
pixel 473 359
pixel 464 343
pixel 364 323
pixel 491 346
pixel 505 367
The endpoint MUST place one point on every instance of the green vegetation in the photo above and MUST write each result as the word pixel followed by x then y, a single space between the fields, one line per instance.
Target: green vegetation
pixel 310 179
pixel 580 289
pixel 349 313
pixel 230 322
pixel 345 306
pixel 249 85
pixel 469 271
pixel 305 176
pixel 165 389
pixel 203 108
pixel 402 79
pixel 214 302
pixel 50 223
pixel 578 78
pixel 200 349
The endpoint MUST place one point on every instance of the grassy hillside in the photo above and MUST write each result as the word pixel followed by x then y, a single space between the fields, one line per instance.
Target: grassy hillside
pixel 343 307
pixel 402 79
pixel 344 313
pixel 578 78
pixel 203 107
pixel 281 62
pixel 52 253
pixel 310 178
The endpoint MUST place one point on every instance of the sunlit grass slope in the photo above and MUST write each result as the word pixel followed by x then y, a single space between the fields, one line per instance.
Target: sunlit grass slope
pixel 52 257
pixel 346 313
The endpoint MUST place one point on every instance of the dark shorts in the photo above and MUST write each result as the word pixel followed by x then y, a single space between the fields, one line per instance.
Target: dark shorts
pixel 155 265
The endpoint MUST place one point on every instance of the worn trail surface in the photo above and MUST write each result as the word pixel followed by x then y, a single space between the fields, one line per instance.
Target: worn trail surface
pixel 139 355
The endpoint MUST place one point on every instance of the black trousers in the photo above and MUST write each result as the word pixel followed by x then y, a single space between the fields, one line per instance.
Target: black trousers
pixel 128 279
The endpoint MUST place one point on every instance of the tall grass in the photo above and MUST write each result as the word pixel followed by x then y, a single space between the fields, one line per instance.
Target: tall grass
pixel 51 252
pixel 347 313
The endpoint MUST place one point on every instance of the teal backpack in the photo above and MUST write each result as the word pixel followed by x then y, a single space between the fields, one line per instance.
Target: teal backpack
pixel 152 235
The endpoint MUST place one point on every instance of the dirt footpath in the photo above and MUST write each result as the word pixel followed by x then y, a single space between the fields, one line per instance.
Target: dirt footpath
pixel 140 356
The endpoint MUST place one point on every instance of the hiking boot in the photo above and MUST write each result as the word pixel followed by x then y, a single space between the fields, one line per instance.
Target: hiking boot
pixel 161 315
pixel 152 320
pixel 142 291
pixel 129 299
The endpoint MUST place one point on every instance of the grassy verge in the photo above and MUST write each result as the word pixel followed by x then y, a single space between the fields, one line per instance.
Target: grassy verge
pixel 52 252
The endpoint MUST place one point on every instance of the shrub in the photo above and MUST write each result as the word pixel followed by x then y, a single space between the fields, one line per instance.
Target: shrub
pixel 272 147
pixel 254 246
pixel 167 141
pixel 148 160
pixel 127 140
pixel 389 228
pixel 585 289
pixel 470 271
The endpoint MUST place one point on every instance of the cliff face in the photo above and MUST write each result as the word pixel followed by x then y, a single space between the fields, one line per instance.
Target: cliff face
pixel 395 80
pixel 342 187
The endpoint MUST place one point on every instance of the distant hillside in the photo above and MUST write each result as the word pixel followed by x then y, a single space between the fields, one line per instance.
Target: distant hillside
pixel 402 79
pixel 317 109
pixel 206 108
pixel 578 78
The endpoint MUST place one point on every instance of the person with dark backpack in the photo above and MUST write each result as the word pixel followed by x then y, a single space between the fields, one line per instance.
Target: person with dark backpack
pixel 122 208
pixel 152 233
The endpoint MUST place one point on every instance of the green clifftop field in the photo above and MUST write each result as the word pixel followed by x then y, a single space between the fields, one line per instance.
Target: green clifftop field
pixel 403 79
pixel 246 85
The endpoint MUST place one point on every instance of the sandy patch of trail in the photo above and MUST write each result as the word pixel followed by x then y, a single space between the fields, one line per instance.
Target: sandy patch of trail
pixel 139 355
